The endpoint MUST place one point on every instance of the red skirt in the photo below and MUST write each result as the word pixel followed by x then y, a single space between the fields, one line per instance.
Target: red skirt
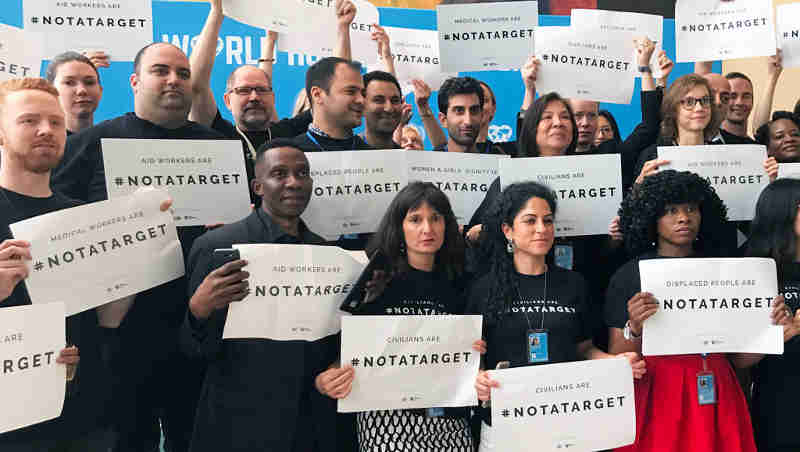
pixel 670 419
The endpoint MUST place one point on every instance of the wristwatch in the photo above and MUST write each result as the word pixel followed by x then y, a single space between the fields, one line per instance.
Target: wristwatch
pixel 645 69
pixel 628 332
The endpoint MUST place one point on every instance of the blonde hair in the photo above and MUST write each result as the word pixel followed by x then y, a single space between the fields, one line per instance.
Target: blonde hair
pixel 414 129
pixel 301 103
pixel 672 102
pixel 22 84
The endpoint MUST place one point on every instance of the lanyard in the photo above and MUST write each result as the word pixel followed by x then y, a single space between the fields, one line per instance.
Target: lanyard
pixel 252 149
pixel 544 302
pixel 314 140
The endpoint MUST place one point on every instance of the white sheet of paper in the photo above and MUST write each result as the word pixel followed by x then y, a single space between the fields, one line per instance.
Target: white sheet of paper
pixel 709 30
pixel 20 53
pixel 352 190
pixel 735 171
pixel 206 179
pixel 296 292
pixel 316 32
pixel 31 338
pixel 464 178
pixel 588 198
pixel 711 306
pixel 787 18
pixel 274 15
pixel 789 171
pixel 387 353
pixel 486 36
pixel 581 406
pixel 589 66
pixel 629 25
pixel 416 56
pixel 119 28
pixel 93 254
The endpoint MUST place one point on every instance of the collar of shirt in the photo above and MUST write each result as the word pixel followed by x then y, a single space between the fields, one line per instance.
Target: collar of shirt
pixel 317 131
pixel 273 233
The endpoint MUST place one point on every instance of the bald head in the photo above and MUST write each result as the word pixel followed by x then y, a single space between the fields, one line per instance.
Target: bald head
pixel 721 90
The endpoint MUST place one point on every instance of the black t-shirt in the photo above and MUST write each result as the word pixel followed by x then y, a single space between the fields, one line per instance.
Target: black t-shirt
pixel 562 309
pixel 83 408
pixel 311 142
pixel 416 292
pixel 623 285
pixel 729 138
pixel 776 379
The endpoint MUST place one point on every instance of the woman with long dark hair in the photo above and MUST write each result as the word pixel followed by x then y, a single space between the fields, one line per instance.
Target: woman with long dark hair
pixel 676 215
pixel 775 233
pixel 523 295
pixel 607 128
pixel 423 251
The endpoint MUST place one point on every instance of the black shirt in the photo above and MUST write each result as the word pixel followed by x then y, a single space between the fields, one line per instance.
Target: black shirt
pixel 83 408
pixel 563 312
pixel 417 292
pixel 487 147
pixel 729 138
pixel 312 142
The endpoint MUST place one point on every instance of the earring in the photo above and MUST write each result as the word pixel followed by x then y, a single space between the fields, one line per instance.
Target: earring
pixel 402 248
pixel 510 246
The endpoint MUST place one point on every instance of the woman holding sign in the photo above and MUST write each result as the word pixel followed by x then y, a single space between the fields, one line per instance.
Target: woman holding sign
pixel 677 214
pixel 781 136
pixel 421 247
pixel 534 312
pixel 776 234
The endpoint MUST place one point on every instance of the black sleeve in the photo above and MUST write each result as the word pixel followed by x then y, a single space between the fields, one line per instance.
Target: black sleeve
pixel 223 126
pixel 488 200
pixel 624 284
pixel 201 338
pixel 476 298
pixel 74 174
pixel 291 127
pixel 651 153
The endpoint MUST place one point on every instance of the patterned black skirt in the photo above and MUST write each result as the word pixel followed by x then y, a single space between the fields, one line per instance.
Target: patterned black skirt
pixel 405 430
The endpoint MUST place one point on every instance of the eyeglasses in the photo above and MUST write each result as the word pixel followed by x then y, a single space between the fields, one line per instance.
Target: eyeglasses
pixel 246 90
pixel 725 98
pixel 689 102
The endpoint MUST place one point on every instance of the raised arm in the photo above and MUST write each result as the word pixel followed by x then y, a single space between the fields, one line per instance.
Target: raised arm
pixel 422 95
pixel 384 50
pixel 529 73
pixel 204 107
pixel 763 108
pixel 345 13
pixel 266 62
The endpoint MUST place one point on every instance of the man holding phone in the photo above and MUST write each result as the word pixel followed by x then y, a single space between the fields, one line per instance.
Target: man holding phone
pixel 258 393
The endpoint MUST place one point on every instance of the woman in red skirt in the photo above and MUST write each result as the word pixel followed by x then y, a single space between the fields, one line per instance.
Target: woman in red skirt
pixel 677 215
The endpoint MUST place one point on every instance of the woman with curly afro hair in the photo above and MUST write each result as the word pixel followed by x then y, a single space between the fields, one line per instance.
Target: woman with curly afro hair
pixel 675 215
pixel 526 301
pixel 781 136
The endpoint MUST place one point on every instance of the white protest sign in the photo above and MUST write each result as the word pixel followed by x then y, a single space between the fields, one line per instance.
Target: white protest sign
pixel 787 24
pixel 118 27
pixel 789 171
pixel 206 179
pixel 414 361
pixel 20 53
pixel 416 56
pixel 352 190
pixel 296 292
pixel 588 188
pixel 486 36
pixel 274 15
pixel 708 30
pixel 31 338
pixel 711 306
pixel 464 178
pixel 589 66
pixel 629 25
pixel 735 171
pixel 90 255
pixel 581 406
pixel 316 33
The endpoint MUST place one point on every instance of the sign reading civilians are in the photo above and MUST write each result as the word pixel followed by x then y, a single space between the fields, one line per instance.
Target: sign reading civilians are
pixel 588 188
pixel 486 36
pixel 316 32
pixel 352 190
pixel 118 27
pixel 206 179
pixel 20 53
pixel 90 255
pixel 735 171
pixel 464 178
pixel 708 30
pixel 585 65
pixel 711 306
pixel 296 291
pixel 629 25
pixel 31 338
pixel 788 25
pixel 416 56
pixel 581 406
pixel 278 16
pixel 410 361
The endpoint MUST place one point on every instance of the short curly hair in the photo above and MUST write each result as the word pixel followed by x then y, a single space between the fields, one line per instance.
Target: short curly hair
pixel 641 210
pixel 458 85
pixel 762 135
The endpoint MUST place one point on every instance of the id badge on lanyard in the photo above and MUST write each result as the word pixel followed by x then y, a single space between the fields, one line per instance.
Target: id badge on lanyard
pixel 706 389
pixel 537 346
pixel 564 256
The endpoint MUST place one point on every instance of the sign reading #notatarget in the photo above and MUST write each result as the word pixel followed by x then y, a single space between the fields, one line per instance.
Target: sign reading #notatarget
pixel 32 389
pixel 711 306
pixel 206 179
pixel 118 27
pixel 735 171
pixel 486 36
pixel 788 25
pixel 708 30
pixel 582 406
pixel 90 255
pixel 410 361
pixel 20 54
